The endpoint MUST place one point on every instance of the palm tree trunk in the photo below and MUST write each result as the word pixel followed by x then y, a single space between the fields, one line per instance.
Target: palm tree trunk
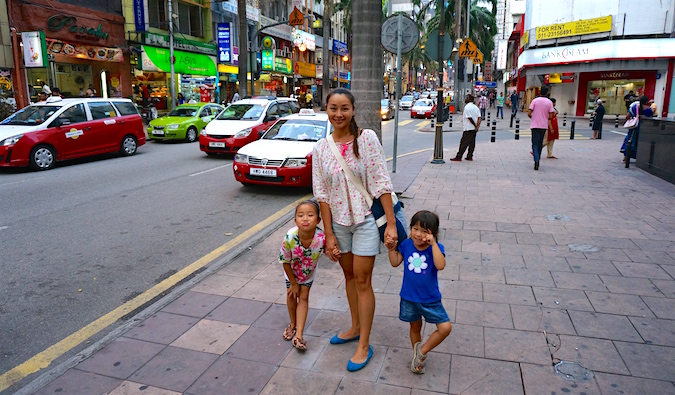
pixel 367 63
pixel 325 79
pixel 243 48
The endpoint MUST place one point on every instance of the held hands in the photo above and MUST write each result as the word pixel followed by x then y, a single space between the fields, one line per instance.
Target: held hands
pixel 332 249
pixel 390 237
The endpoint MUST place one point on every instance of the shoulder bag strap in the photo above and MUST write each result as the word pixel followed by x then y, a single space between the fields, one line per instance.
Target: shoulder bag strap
pixel 348 171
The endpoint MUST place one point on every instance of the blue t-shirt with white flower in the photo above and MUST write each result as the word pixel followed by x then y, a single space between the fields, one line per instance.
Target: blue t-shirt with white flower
pixel 420 276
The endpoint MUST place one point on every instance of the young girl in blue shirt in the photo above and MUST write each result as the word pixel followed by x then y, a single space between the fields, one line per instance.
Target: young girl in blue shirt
pixel 420 297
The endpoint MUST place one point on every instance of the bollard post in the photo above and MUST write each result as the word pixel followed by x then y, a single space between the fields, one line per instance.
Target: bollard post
pixel 616 122
pixel 590 121
pixel 629 145
pixel 511 123
pixel 564 119
pixel 572 129
pixel 450 120
pixel 600 132
pixel 517 128
pixel 488 113
pixel 494 129
pixel 433 123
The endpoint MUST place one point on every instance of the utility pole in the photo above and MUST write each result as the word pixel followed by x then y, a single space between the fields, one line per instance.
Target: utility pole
pixel 326 51
pixel 172 59
pixel 243 48
pixel 459 104
pixel 467 60
pixel 438 140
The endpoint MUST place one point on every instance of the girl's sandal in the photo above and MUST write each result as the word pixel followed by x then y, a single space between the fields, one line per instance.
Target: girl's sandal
pixel 300 343
pixel 418 362
pixel 289 332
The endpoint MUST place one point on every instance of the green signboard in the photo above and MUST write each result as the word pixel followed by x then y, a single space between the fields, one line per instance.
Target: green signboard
pixel 268 59
pixel 283 65
pixel 157 59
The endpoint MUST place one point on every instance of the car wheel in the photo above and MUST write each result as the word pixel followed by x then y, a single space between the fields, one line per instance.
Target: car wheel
pixel 191 135
pixel 42 157
pixel 128 146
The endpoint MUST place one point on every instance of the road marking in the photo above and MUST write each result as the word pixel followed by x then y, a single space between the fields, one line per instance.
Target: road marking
pixel 407 121
pixel 4 227
pixel 410 153
pixel 423 124
pixel 617 132
pixel 46 357
pixel 206 171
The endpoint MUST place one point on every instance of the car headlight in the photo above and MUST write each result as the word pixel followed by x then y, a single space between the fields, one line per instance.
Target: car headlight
pixel 11 140
pixel 295 162
pixel 383 111
pixel 203 133
pixel 243 133
pixel 241 158
pixel 174 126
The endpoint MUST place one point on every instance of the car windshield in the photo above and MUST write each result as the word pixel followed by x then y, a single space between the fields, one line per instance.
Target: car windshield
pixel 31 115
pixel 184 112
pixel 241 112
pixel 297 130
pixel 423 103
pixel 407 98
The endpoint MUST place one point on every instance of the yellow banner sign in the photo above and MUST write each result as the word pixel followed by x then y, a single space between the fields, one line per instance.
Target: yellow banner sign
pixel 524 39
pixel 576 28
pixel 306 69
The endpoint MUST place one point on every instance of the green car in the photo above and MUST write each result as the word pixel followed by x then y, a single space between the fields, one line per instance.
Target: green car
pixel 184 122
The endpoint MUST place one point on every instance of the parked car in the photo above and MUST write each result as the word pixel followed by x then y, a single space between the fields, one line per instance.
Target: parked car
pixel 406 102
pixel 425 108
pixel 241 123
pixel 59 129
pixel 387 109
pixel 184 122
pixel 283 156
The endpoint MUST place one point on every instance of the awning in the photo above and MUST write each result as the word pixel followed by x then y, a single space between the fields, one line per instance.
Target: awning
pixel 157 59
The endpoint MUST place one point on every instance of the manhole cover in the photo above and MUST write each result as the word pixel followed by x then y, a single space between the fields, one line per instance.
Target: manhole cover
pixel 572 371
pixel 558 217
pixel 583 248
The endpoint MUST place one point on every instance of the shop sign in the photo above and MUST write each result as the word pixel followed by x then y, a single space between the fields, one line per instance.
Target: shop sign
pixel 157 59
pixel 88 52
pixel 34 49
pixel 345 76
pixel 340 48
pixel 58 22
pixel 227 69
pixel 617 75
pixel 251 10
pixel 5 80
pixel 576 28
pixel 302 37
pixel 501 54
pixel 224 48
pixel 319 71
pixel 160 40
pixel 268 59
pixel 281 31
pixel 306 69
pixel 524 39
pixel 235 56
pixel 139 15
pixel 283 65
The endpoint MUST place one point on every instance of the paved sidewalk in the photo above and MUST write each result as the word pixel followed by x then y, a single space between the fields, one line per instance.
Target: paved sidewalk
pixel 573 262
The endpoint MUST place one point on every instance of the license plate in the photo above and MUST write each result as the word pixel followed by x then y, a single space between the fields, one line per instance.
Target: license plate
pixel 216 145
pixel 264 172
pixel 158 133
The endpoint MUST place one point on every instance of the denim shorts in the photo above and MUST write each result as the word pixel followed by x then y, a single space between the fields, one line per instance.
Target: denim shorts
pixel 433 313
pixel 362 239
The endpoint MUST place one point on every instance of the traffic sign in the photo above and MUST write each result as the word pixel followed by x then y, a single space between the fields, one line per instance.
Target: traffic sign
pixel 410 34
pixel 432 45
pixel 467 49
pixel 296 18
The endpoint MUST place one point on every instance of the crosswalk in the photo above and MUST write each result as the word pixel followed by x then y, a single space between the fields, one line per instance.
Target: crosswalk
pixel 564 134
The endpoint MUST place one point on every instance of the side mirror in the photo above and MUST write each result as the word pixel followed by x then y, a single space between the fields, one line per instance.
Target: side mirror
pixel 62 122
pixel 270 118
pixel 261 132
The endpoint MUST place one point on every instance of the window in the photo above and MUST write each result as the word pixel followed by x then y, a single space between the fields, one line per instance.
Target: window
pixel 274 110
pixel 74 114
pixel 157 14
pixel 215 110
pixel 206 111
pixel 102 110
pixel 285 108
pixel 190 20
pixel 125 108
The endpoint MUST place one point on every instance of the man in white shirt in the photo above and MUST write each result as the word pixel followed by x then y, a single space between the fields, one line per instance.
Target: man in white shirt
pixel 470 124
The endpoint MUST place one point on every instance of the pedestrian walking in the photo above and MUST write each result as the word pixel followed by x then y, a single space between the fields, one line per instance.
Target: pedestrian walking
pixel 235 97
pixel 500 105
pixel 308 98
pixel 352 236
pixel 471 120
pixel 299 256
pixel 492 99
pixel 423 257
pixel 599 113
pixel 483 104
pixel 552 133
pixel 541 111
pixel 629 99
pixel 636 110
pixel 514 103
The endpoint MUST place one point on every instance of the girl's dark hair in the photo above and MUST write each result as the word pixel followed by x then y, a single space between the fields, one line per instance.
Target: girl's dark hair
pixel 552 100
pixel 312 203
pixel 427 220
pixel 644 100
pixel 352 124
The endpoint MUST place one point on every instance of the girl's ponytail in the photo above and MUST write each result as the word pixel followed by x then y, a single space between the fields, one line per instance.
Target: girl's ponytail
pixel 355 131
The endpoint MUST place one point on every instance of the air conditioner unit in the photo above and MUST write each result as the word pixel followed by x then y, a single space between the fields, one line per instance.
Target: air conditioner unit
pixel 287 52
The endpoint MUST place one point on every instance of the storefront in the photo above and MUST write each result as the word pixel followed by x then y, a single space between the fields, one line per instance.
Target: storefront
pixel 275 82
pixel 84 48
pixel 579 74
pixel 228 82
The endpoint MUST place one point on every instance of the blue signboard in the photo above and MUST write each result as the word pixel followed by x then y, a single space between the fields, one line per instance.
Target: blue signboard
pixel 340 48
pixel 139 15
pixel 490 84
pixel 224 47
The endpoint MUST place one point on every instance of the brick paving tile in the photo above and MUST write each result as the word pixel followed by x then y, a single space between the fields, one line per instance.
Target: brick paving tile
pixel 670 269
pixel 162 328
pixel 558 264
pixel 631 285
pixel 604 326
pixel 480 225
pixel 648 361
pixel 595 354
pixel 194 304
pixel 538 319
pixel 463 258
pixel 327 323
pixel 662 307
pixel 266 291
pixel 232 376
pixel 593 266
pixel 535 238
pixel 210 336
pixel 463 290
pixel 512 227
pixel 333 361
pixel 131 388
pixel 644 270
pixel 612 384
pixel 476 376
pixel 389 331
pixel 516 346
pixel 511 261
pixel 77 382
pixel 516 276
pixel 480 247
pixel 463 340
pixel 220 285
pixel 487 274
pixel 562 298
pixel 261 345
pixel 667 287
pixel 306 360
pixel 488 236
pixel 613 242
pixel 349 386
pixel 538 379
pixel 655 331
pixel 276 317
pixel 520 249
pixel 396 370
pixel 120 358
pixel 496 315
pixel 292 381
pixel 631 305
pixel 239 311
pixel 512 294
pixel 580 281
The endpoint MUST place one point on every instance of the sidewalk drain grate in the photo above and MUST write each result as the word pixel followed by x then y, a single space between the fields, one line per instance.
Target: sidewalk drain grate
pixel 583 248
pixel 558 217
pixel 572 371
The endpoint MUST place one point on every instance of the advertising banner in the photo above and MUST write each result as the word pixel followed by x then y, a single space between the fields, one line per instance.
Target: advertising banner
pixel 34 49
pixel 501 54
pixel 224 45
pixel 157 59
pixel 139 15
pixel 340 48
pixel 302 37
pixel 88 52
pixel 576 28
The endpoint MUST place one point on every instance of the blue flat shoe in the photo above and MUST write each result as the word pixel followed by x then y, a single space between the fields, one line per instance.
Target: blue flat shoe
pixel 353 367
pixel 337 340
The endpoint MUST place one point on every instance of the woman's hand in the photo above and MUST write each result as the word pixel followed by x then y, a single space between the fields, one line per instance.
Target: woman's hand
pixel 332 248
pixel 390 234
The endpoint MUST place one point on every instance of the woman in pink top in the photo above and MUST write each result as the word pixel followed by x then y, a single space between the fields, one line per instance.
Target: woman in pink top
pixel 352 237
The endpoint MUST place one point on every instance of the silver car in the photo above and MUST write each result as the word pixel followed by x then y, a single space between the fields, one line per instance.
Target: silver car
pixel 406 102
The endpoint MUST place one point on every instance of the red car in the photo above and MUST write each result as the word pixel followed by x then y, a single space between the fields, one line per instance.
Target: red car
pixel 425 108
pixel 243 122
pixel 59 129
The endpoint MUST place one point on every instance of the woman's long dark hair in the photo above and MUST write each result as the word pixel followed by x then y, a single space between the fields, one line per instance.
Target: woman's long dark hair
pixel 644 100
pixel 354 129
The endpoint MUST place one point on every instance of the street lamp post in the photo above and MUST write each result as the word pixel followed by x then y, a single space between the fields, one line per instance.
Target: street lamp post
pixel 438 140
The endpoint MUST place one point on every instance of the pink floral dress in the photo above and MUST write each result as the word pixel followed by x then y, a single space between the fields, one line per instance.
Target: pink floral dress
pixel 303 260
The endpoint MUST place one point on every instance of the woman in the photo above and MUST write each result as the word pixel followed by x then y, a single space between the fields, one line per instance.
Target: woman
pixel 181 98
pixel 636 109
pixel 352 237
